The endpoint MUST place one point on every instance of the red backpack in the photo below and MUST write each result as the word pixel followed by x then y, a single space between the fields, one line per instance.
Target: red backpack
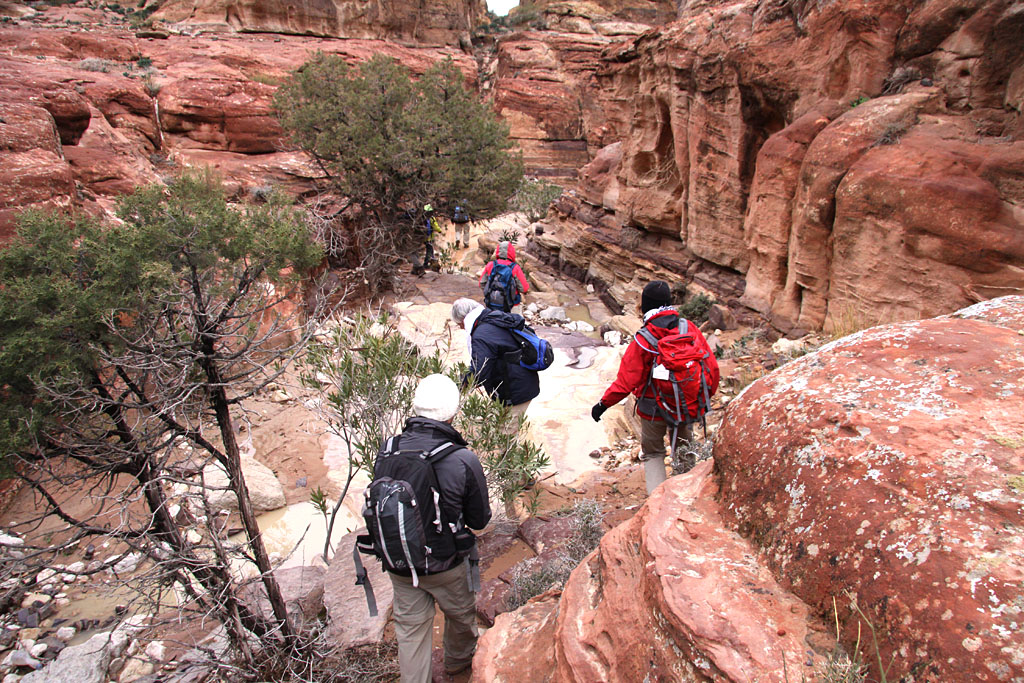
pixel 684 375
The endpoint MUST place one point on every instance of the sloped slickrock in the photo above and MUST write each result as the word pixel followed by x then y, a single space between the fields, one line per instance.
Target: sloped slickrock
pixel 670 594
pixel 84 663
pixel 888 468
pixel 349 620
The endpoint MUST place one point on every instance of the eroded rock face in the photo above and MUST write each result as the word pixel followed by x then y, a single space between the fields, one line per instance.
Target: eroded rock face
pixel 886 468
pixel 741 144
pixel 439 22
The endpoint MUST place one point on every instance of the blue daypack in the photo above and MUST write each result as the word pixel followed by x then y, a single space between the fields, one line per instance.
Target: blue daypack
pixel 500 291
pixel 537 353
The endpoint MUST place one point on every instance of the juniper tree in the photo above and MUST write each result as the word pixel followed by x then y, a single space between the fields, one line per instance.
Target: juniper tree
pixel 125 348
pixel 391 144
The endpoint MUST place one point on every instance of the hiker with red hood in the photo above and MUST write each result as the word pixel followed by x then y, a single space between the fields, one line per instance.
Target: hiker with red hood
pixel 673 374
pixel 502 280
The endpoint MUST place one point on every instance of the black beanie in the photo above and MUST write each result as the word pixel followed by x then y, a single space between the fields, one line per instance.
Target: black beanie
pixel 656 294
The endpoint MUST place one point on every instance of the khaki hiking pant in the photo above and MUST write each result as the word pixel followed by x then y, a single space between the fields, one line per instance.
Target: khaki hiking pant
pixel 652 449
pixel 413 609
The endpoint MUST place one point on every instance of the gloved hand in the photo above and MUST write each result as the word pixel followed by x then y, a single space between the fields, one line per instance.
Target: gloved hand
pixel 597 411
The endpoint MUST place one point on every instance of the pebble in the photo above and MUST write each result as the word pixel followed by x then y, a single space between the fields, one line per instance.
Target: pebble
pixel 9 540
pixel 66 633
pixel 31 599
pixel 21 658
pixel 38 650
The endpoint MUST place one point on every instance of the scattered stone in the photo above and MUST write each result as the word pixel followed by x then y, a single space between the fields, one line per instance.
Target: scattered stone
pixel 9 540
pixel 66 633
pixel 787 347
pixel 156 650
pixel 612 337
pixel 38 650
pixel 596 454
pixel 555 314
pixel 127 564
pixel 21 658
pixel 46 575
pixel 721 318
pixel 28 617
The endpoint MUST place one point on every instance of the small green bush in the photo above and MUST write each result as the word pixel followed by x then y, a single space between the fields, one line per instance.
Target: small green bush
pixel 696 308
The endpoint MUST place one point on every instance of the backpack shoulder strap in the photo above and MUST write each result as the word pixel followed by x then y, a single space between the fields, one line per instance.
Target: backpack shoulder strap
pixel 647 336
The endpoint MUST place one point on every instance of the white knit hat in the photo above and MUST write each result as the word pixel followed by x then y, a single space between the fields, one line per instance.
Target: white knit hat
pixel 436 397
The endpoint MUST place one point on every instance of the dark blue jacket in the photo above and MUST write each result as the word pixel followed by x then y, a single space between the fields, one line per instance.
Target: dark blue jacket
pixel 496 359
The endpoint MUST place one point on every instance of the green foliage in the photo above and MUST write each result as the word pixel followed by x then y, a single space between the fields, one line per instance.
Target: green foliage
pixel 76 292
pixel 859 101
pixel 509 459
pixel 143 62
pixel 366 372
pixel 534 198
pixel 510 235
pixel 394 144
pixel 696 308
pixel 527 16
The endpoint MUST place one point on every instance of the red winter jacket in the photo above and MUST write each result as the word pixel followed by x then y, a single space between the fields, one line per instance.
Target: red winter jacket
pixel 635 368
pixel 517 272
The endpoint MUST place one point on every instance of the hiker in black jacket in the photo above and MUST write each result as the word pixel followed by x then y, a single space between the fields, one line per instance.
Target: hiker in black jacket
pixel 463 498
pixel 494 354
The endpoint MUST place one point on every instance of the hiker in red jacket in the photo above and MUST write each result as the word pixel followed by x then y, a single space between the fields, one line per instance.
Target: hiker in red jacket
pixel 635 377
pixel 502 280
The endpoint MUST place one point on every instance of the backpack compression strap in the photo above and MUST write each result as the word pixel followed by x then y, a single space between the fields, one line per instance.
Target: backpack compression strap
pixel 363 580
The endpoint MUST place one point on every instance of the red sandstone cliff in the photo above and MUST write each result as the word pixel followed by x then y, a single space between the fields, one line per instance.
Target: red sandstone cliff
pixel 883 469
pixel 841 159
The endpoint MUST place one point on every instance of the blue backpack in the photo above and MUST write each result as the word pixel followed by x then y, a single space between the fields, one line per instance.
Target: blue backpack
pixel 500 291
pixel 537 353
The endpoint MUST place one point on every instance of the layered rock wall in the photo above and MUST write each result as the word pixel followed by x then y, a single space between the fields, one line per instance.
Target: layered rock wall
pixel 438 22
pixel 848 159
pixel 88 116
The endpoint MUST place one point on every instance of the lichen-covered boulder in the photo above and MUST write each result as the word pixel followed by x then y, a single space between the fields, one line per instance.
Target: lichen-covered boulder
pixel 886 472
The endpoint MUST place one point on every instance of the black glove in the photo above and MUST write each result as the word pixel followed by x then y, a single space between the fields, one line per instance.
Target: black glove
pixel 597 411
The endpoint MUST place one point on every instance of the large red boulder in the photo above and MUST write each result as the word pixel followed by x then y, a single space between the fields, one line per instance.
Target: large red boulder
pixel 885 472
pixel 672 594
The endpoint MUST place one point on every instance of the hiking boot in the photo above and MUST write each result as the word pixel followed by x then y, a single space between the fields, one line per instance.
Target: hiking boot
pixel 457 668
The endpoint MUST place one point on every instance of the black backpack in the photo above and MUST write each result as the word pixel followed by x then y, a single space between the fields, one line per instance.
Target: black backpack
pixel 407 529
pixel 460 215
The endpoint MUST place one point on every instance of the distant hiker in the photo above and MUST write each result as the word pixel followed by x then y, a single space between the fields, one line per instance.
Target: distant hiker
pixel 502 280
pixel 428 490
pixel 673 374
pixel 461 220
pixel 430 229
pixel 496 353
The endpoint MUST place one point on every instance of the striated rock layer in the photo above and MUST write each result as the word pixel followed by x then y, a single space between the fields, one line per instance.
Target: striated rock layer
pixel 857 159
pixel 88 116
pixel 438 22
pixel 887 470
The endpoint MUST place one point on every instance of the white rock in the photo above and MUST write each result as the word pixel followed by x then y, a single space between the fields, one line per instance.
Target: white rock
pixel 590 289
pixel 11 678
pixel 65 633
pixel 787 347
pixel 46 575
pixel 156 650
pixel 612 337
pixel 532 308
pixel 554 313
pixel 9 540
pixel 61 603
pixel 27 644
pixel 127 564
pixel 21 658
pixel 75 567
pixel 582 326
pixel 38 649
pixel 265 490
pixel 193 537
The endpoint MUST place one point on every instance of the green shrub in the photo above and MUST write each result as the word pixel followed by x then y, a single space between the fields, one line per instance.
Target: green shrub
pixel 696 308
